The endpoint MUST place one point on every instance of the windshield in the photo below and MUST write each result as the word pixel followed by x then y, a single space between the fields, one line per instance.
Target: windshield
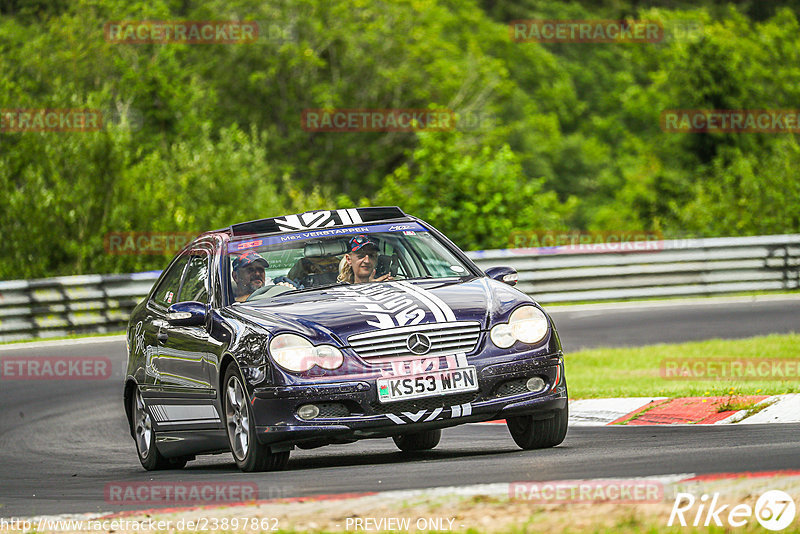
pixel 262 267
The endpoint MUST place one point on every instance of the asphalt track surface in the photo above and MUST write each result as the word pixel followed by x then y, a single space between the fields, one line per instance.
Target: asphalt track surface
pixel 62 442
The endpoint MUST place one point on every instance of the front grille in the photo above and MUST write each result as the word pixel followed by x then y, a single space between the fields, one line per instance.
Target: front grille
pixel 445 338
pixel 332 409
pixel 430 403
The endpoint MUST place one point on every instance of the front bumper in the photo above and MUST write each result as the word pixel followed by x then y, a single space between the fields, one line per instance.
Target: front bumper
pixel 499 397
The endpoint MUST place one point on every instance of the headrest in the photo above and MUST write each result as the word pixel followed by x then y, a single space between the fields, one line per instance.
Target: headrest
pixel 325 248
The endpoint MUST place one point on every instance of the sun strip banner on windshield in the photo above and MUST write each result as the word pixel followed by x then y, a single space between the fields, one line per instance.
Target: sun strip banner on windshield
pixel 317 219
pixel 236 246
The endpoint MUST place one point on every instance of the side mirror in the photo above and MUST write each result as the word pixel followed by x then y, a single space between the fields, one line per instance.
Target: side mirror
pixel 507 275
pixel 191 313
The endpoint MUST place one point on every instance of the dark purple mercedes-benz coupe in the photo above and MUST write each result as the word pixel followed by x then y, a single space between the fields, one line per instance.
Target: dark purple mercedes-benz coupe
pixel 329 327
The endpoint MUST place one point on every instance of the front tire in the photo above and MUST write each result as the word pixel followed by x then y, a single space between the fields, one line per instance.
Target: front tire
pixel 248 453
pixel 419 441
pixel 530 433
pixel 145 438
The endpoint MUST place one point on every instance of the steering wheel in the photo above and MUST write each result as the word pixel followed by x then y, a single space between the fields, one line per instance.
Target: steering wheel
pixel 269 291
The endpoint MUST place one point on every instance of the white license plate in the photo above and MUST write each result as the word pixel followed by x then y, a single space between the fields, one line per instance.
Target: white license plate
pixel 427 384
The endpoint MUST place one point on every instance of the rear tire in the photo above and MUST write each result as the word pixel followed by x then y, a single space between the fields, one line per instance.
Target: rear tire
pixel 248 453
pixel 530 433
pixel 418 441
pixel 145 438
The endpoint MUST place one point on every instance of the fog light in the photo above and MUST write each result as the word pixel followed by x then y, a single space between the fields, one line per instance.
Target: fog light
pixel 535 384
pixel 308 411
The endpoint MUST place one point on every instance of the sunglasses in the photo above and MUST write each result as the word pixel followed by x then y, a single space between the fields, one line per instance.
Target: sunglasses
pixel 360 254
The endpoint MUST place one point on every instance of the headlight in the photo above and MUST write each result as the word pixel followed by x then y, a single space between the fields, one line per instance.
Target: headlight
pixel 296 353
pixel 527 324
pixel 501 336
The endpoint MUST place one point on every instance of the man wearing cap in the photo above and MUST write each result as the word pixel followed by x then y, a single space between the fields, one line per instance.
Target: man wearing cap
pixel 249 274
pixel 358 265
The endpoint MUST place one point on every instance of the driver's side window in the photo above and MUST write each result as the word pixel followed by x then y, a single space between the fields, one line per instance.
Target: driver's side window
pixel 195 281
pixel 167 292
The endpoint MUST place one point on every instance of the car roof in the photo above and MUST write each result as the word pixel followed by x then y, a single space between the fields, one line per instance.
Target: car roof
pixel 314 220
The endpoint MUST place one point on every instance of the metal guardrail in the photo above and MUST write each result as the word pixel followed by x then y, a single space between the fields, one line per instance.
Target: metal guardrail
pixel 670 268
pixel 690 267
pixel 65 305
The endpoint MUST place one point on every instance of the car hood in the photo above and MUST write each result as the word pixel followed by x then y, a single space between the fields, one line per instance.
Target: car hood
pixel 342 311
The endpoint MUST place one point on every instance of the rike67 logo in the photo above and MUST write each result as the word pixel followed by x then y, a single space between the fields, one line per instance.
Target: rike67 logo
pixel 774 510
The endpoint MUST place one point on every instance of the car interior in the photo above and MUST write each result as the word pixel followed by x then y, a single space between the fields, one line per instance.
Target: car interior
pixel 319 264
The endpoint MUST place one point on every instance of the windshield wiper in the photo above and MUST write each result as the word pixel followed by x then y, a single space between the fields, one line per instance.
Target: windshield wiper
pixel 444 278
pixel 326 286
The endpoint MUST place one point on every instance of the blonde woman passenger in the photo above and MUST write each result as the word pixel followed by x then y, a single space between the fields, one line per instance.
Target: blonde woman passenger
pixel 359 264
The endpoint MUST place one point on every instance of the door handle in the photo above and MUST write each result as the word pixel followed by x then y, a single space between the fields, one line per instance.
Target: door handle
pixel 162 337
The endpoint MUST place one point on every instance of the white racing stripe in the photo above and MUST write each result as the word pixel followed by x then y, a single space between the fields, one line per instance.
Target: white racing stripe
pixel 441 311
pixel 343 215
pixel 175 413
pixel 438 316
pixel 448 312
pixel 395 419
pixel 434 415
pixel 353 212
pixel 414 416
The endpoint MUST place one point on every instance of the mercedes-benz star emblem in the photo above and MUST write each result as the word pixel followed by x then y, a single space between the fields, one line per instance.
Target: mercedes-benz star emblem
pixel 418 343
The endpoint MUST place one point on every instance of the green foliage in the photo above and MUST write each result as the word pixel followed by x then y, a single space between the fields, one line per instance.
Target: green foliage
pixel 640 371
pixel 475 196
pixel 200 136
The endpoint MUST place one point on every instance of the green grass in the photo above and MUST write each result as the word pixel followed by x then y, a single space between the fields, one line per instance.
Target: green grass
pixel 734 405
pixel 636 372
